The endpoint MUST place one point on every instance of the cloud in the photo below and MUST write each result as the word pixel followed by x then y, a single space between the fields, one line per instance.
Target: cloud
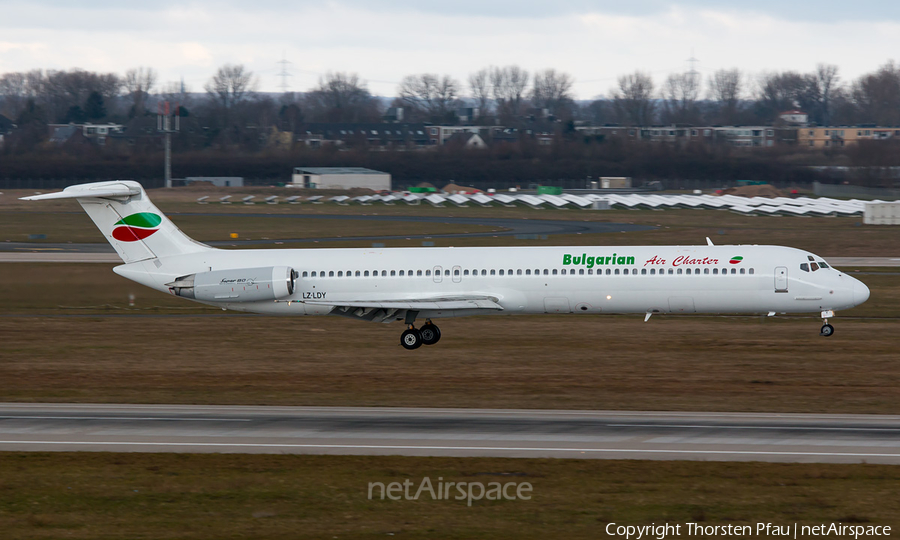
pixel 383 41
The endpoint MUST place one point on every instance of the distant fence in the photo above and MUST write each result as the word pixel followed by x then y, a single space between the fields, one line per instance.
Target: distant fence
pixel 60 183
pixel 857 192
pixel 828 190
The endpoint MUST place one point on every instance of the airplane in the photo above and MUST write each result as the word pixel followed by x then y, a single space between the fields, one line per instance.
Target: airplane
pixel 427 283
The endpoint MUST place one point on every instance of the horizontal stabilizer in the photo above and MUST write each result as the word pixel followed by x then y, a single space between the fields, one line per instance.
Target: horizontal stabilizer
pixel 105 190
pixel 133 226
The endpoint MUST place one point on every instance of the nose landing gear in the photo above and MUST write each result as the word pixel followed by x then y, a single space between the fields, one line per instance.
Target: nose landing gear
pixel 413 338
pixel 827 329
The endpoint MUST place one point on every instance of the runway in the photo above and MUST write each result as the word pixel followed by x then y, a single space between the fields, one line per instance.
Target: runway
pixel 451 432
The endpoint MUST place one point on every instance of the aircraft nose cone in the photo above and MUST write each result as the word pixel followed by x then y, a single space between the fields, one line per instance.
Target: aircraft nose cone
pixel 860 292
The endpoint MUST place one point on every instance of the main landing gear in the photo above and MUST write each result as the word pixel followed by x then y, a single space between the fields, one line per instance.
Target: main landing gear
pixel 413 338
pixel 827 329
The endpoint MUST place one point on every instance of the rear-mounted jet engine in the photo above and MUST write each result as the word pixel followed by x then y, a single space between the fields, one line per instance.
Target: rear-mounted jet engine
pixel 237 285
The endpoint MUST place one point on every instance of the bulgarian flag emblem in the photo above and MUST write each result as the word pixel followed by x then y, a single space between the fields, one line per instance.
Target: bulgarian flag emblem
pixel 136 227
pixel 735 260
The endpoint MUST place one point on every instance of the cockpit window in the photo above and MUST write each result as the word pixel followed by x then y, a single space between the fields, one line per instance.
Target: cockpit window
pixel 804 267
pixel 823 265
pixel 814 266
pixel 810 257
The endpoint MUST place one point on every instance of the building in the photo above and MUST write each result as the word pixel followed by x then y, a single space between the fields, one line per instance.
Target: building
pixel 394 114
pixel 795 117
pixel 340 178
pixel 607 131
pixel 882 213
pixel 6 127
pixel 466 140
pixel 760 136
pixel 376 135
pixel 218 181
pixel 439 135
pixel 96 133
pixel 743 136
pixel 839 136
pixel 468 114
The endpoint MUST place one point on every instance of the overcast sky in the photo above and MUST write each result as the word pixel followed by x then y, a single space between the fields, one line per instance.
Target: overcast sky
pixel 594 41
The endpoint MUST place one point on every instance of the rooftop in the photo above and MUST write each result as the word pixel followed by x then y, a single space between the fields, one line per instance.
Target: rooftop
pixel 336 170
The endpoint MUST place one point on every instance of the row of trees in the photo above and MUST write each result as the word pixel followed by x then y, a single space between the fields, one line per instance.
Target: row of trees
pixel 566 163
pixel 508 95
pixel 731 97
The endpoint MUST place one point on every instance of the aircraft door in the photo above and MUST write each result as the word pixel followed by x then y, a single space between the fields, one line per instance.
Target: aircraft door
pixel 781 279
pixel 556 305
pixel 457 274
pixel 438 274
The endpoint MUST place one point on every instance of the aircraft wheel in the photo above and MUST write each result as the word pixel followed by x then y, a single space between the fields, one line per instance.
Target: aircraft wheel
pixel 411 339
pixel 431 334
pixel 827 330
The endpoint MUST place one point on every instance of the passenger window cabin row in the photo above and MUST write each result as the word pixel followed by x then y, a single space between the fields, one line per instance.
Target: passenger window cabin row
pixel 529 272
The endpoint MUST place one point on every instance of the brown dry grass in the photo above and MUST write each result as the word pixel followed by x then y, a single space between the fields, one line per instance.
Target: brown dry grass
pixel 78 228
pixel 829 237
pixel 527 362
pixel 69 335
pixel 106 495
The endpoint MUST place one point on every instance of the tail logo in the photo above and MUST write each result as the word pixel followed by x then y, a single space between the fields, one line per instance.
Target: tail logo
pixel 736 260
pixel 136 227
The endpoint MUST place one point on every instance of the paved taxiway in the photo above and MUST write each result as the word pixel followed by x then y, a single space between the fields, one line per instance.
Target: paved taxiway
pixel 451 432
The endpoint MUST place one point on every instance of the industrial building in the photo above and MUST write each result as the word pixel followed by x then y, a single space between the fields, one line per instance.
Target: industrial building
pixel 218 181
pixel 341 178
pixel 882 213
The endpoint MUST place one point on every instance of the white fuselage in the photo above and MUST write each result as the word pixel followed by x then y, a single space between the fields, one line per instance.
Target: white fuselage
pixel 577 279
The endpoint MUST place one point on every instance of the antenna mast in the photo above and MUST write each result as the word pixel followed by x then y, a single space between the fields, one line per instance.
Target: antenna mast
pixel 284 74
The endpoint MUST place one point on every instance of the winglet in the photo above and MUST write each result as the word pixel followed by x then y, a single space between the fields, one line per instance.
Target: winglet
pixel 709 242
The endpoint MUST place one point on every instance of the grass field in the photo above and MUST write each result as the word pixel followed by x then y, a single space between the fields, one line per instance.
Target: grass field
pixel 829 237
pixel 94 496
pixel 76 227
pixel 71 336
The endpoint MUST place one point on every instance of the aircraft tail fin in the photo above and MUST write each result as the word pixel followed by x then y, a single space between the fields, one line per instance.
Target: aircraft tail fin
pixel 131 223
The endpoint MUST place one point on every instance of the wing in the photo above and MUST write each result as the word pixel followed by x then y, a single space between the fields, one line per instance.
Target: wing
pixel 387 310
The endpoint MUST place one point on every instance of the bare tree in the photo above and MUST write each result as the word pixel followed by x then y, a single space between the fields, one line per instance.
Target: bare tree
pixel 777 92
pixel 598 112
pixel 633 99
pixel 290 115
pixel 509 86
pixel 552 90
pixel 341 97
pixel 480 89
pixel 725 88
pixel 108 85
pixel 876 96
pixel 824 86
pixel 179 97
pixel 230 85
pixel 13 93
pixel 430 95
pixel 64 93
pixel 138 82
pixel 680 94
